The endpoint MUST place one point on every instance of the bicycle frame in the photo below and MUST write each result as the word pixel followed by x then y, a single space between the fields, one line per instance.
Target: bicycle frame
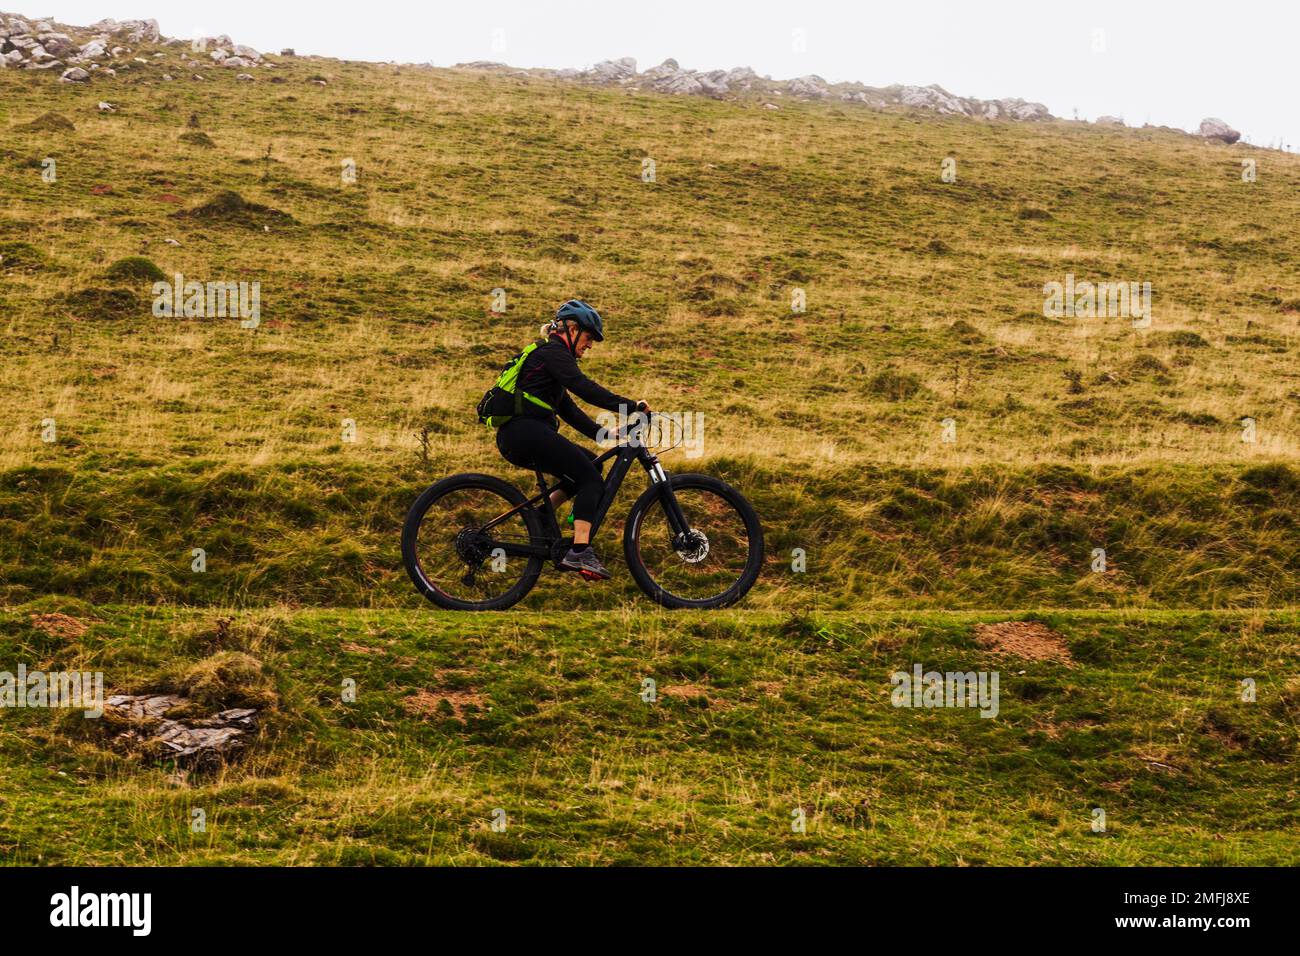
pixel 624 454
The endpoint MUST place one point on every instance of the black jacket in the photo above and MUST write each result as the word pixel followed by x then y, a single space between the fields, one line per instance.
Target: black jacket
pixel 550 373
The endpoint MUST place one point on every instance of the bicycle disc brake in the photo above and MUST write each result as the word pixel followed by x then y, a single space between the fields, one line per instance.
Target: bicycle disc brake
pixel 691 546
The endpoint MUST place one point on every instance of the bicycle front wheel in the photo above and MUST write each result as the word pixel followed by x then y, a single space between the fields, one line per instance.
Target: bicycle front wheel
pixel 713 562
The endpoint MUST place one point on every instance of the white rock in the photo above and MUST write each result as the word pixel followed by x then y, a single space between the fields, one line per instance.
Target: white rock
pixel 1213 128
pixel 167 77
pixel 613 71
pixel 713 85
pixel 812 86
pixel 1109 121
pixel 682 83
pixel 218 54
pixel 142 30
pixel 57 43
pixel 245 52
pixel 243 76
pixel 93 49
pixel 668 68
pixel 106 107
pixel 235 61
pixel 1021 110
pixel 75 75
pixel 741 76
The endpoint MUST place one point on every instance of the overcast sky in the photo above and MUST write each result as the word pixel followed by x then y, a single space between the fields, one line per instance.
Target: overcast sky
pixel 1167 63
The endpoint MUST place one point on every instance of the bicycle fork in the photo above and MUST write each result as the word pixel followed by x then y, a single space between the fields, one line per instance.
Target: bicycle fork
pixel 676 517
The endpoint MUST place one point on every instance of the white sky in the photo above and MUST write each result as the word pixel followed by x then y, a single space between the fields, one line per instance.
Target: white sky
pixel 1164 62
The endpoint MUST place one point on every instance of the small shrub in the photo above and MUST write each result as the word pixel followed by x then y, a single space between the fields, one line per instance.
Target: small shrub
pixel 48 123
pixel 21 257
pixel 893 384
pixel 106 304
pixel 135 267
pixel 1181 338
pixel 229 206
pixel 198 138
pixel 226 679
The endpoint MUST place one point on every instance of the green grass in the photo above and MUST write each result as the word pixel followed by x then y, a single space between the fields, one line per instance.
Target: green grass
pixel 757 714
pixel 327 533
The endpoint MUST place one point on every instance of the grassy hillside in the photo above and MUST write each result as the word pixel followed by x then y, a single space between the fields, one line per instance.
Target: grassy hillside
pixel 924 303
pixel 757 715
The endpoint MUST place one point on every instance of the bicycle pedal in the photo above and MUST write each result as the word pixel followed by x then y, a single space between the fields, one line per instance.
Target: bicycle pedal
pixel 591 576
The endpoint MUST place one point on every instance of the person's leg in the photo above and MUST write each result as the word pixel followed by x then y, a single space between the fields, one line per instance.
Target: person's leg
pixel 534 444
pixel 531 443
pixel 582 480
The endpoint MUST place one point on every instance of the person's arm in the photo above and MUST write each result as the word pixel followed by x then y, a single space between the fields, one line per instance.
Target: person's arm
pixel 576 418
pixel 564 369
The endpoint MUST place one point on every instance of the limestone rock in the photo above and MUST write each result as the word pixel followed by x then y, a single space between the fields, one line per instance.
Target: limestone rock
pixel 1217 129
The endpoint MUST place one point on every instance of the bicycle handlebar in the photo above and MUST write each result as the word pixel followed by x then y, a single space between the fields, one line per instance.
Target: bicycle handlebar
pixel 637 422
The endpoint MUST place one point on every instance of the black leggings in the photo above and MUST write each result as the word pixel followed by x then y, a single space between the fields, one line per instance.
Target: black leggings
pixel 532 443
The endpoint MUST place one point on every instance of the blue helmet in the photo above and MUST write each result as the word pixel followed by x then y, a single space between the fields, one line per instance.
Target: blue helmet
pixel 586 317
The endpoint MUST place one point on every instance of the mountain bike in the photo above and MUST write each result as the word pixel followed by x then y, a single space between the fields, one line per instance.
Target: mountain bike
pixel 473 542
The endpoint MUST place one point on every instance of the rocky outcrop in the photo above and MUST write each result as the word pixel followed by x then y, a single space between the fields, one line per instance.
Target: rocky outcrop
pixel 103 49
pixel 669 77
pixel 1217 129
pixel 142 723
pixel 42 45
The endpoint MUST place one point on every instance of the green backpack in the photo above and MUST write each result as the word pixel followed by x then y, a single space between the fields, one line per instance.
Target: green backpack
pixel 504 400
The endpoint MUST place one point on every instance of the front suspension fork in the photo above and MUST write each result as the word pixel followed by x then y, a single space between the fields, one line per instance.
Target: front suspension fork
pixel 676 517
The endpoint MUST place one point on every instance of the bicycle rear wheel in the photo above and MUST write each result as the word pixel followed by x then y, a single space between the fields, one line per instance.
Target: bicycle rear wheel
pixel 713 563
pixel 453 561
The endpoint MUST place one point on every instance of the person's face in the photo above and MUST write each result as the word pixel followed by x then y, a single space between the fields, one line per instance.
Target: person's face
pixel 584 342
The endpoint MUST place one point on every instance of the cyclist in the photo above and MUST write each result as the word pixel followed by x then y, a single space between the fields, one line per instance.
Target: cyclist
pixel 531 438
